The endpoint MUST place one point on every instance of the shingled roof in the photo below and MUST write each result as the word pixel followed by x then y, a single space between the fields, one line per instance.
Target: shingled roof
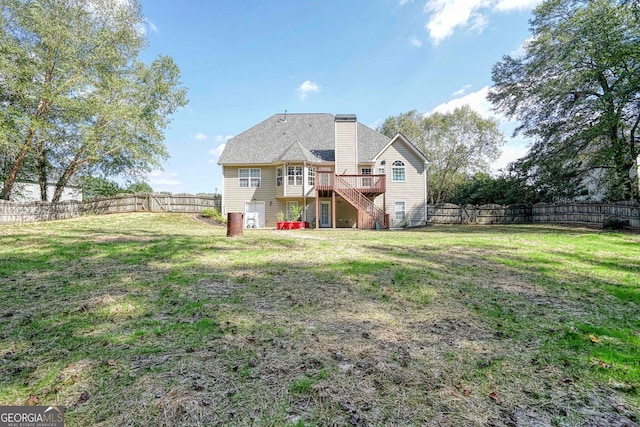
pixel 296 137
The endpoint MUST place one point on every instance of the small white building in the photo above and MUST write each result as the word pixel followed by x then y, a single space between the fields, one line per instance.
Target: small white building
pixel 27 191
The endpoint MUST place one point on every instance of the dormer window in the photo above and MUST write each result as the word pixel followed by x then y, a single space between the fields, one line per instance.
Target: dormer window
pixel 398 171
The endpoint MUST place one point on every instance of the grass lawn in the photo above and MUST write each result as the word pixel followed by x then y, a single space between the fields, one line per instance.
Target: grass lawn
pixel 154 319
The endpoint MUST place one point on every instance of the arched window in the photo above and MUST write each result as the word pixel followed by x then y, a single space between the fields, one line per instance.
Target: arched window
pixel 397 171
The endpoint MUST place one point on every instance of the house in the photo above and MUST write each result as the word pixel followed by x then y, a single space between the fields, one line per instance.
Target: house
pixel 344 173
pixel 29 191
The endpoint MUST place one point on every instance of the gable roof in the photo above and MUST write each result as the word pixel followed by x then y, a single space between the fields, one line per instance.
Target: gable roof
pixel 296 152
pixel 401 137
pixel 296 137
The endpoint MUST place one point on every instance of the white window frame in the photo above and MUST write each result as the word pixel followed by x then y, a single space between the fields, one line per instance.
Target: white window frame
pixel 400 214
pixel 279 177
pixel 398 171
pixel 249 177
pixel 311 176
pixel 366 182
pixel 295 175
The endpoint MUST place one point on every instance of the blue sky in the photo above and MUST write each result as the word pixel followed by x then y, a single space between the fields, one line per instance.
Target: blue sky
pixel 243 61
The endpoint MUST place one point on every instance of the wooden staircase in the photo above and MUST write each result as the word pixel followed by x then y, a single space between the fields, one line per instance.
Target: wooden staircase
pixel 370 216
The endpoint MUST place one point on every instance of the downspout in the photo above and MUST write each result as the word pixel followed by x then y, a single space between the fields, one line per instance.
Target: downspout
pixel 426 195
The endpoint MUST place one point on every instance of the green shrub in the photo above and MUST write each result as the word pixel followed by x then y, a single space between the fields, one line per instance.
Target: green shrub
pixel 213 213
pixel 614 223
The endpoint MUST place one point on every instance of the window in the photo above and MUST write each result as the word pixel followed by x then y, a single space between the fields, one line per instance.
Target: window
pixel 249 178
pixel 380 171
pixel 397 171
pixel 400 211
pixel 366 182
pixel 312 177
pixel 279 177
pixel 289 213
pixel 294 175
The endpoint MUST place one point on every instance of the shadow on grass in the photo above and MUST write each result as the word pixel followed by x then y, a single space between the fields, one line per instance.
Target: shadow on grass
pixel 135 325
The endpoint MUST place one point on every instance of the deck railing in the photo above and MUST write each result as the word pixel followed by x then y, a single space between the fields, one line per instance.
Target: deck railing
pixel 362 183
pixel 365 206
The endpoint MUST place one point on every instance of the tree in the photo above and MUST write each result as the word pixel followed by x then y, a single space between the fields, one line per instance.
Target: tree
pixel 75 98
pixel 139 187
pixel 457 144
pixel 576 92
pixel 483 188
pixel 93 187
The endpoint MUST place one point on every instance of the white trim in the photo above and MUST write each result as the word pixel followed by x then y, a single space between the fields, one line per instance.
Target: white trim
pixel 404 139
pixel 404 173
pixel 257 220
pixel 396 211
pixel 326 203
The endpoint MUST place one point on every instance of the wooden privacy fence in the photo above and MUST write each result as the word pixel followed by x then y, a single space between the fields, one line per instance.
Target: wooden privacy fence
pixel 595 214
pixel 12 212
pixel 152 202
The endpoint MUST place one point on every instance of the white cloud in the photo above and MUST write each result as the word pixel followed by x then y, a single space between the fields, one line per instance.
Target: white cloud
pixel 222 138
pixel 509 5
pixel 216 151
pixel 521 50
pixel 201 136
pixel 445 16
pixel 403 2
pixel 153 27
pixel 514 148
pixel 461 91
pixel 166 179
pixel 476 100
pixel 306 88
pixel 415 42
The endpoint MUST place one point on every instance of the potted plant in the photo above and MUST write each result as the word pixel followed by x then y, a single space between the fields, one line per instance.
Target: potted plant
pixel 280 223
pixel 296 216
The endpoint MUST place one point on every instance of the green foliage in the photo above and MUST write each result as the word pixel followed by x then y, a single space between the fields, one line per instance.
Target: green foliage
pixel 614 223
pixel 214 214
pixel 575 90
pixel 295 213
pixel 93 187
pixel 484 189
pixel 457 144
pixel 75 96
pixel 139 187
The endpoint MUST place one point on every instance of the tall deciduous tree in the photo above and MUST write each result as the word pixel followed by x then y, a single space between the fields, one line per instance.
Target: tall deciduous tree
pixel 457 144
pixel 75 98
pixel 576 91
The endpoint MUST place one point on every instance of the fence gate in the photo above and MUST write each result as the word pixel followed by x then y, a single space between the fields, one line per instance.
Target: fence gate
pixel 159 203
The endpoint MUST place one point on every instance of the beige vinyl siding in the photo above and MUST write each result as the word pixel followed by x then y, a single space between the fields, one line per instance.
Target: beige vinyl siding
pixel 289 190
pixel 346 148
pixel 411 191
pixel 234 196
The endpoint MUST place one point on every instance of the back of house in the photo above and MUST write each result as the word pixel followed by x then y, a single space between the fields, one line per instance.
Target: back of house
pixel 344 174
